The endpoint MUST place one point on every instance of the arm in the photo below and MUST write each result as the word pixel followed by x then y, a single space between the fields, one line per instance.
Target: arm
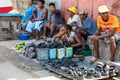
pixel 59 35
pixel 33 14
pixel 111 33
pixel 98 32
pixel 79 43
pixel 44 16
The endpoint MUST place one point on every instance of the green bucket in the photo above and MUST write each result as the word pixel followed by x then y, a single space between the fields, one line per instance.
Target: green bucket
pixel 68 51
pixel 86 52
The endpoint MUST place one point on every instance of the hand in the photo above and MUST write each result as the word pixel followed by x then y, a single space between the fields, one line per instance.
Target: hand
pixel 73 24
pixel 33 20
pixel 53 39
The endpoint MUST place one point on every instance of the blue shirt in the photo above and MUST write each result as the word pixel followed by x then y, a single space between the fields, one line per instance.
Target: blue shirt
pixel 89 25
pixel 28 12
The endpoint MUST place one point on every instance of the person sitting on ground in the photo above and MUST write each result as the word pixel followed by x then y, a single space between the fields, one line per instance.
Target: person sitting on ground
pixel 39 16
pixel 108 30
pixel 66 35
pixel 88 25
pixel 74 19
pixel 28 14
pixel 54 22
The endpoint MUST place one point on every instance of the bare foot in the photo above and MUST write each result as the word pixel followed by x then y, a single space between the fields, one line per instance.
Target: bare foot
pixel 43 37
pixel 24 32
pixel 37 38
pixel 94 59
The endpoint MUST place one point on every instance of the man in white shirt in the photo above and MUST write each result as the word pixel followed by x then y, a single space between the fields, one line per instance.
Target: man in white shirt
pixel 74 19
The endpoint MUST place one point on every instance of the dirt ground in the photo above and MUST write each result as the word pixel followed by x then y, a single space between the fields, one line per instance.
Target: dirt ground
pixel 14 66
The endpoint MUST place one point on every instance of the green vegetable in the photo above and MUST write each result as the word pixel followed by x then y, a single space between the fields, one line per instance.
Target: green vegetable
pixel 20 46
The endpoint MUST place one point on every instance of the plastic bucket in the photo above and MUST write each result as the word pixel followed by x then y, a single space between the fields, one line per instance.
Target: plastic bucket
pixel 42 53
pixel 68 51
pixel 86 52
pixel 24 36
pixel 52 53
pixel 60 53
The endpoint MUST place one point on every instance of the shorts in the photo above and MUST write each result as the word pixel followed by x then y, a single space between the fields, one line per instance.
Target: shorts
pixel 117 37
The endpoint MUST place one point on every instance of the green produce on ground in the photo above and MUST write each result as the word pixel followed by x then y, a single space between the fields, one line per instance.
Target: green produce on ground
pixel 20 46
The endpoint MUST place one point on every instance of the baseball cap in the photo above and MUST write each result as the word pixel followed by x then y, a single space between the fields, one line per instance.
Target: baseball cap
pixel 103 9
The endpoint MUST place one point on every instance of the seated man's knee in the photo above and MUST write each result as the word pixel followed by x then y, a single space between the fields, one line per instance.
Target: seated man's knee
pixel 63 39
pixel 112 39
pixel 95 38
pixel 53 25
pixel 72 41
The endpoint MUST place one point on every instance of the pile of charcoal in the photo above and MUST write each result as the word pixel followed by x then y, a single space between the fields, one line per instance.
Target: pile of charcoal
pixel 101 69
pixel 57 64
pixel 71 68
pixel 50 44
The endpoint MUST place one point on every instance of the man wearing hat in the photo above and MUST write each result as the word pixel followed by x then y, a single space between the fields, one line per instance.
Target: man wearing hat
pixel 88 25
pixel 109 26
pixel 74 19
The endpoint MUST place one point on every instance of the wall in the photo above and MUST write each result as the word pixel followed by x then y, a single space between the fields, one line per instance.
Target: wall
pixel 91 6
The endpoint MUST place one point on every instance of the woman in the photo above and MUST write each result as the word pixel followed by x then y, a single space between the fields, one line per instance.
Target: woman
pixel 28 13
pixel 67 35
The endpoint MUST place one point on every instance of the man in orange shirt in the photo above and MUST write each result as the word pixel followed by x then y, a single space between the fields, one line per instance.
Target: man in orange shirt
pixel 108 30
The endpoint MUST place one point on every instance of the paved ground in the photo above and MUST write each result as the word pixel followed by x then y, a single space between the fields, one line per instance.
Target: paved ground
pixel 13 66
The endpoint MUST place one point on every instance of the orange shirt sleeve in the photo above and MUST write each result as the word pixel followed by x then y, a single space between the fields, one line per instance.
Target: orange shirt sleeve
pixel 115 22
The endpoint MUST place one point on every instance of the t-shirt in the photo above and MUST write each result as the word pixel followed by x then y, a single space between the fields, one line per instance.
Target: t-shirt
pixel 76 19
pixel 52 18
pixel 28 12
pixel 56 17
pixel 89 25
pixel 110 24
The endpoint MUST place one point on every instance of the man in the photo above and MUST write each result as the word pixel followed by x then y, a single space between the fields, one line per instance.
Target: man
pixel 67 35
pixel 109 25
pixel 88 25
pixel 74 19
pixel 55 20
pixel 28 14
pixel 39 16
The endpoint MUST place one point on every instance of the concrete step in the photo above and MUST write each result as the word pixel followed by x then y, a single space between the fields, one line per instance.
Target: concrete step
pixel 104 50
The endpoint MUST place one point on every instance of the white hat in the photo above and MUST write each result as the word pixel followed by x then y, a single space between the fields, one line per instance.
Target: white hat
pixel 103 9
pixel 83 12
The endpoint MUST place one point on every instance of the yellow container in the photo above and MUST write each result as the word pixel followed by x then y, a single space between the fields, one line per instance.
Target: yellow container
pixel 60 53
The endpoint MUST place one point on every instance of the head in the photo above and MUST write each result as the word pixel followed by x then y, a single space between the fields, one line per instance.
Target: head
pixel 72 11
pixel 83 14
pixel 30 2
pixel 52 7
pixel 103 12
pixel 67 28
pixel 40 3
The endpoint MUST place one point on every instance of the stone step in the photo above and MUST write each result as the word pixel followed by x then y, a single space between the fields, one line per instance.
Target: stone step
pixel 104 50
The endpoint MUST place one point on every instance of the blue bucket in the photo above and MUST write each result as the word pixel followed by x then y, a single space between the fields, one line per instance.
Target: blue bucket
pixel 24 36
pixel 52 53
